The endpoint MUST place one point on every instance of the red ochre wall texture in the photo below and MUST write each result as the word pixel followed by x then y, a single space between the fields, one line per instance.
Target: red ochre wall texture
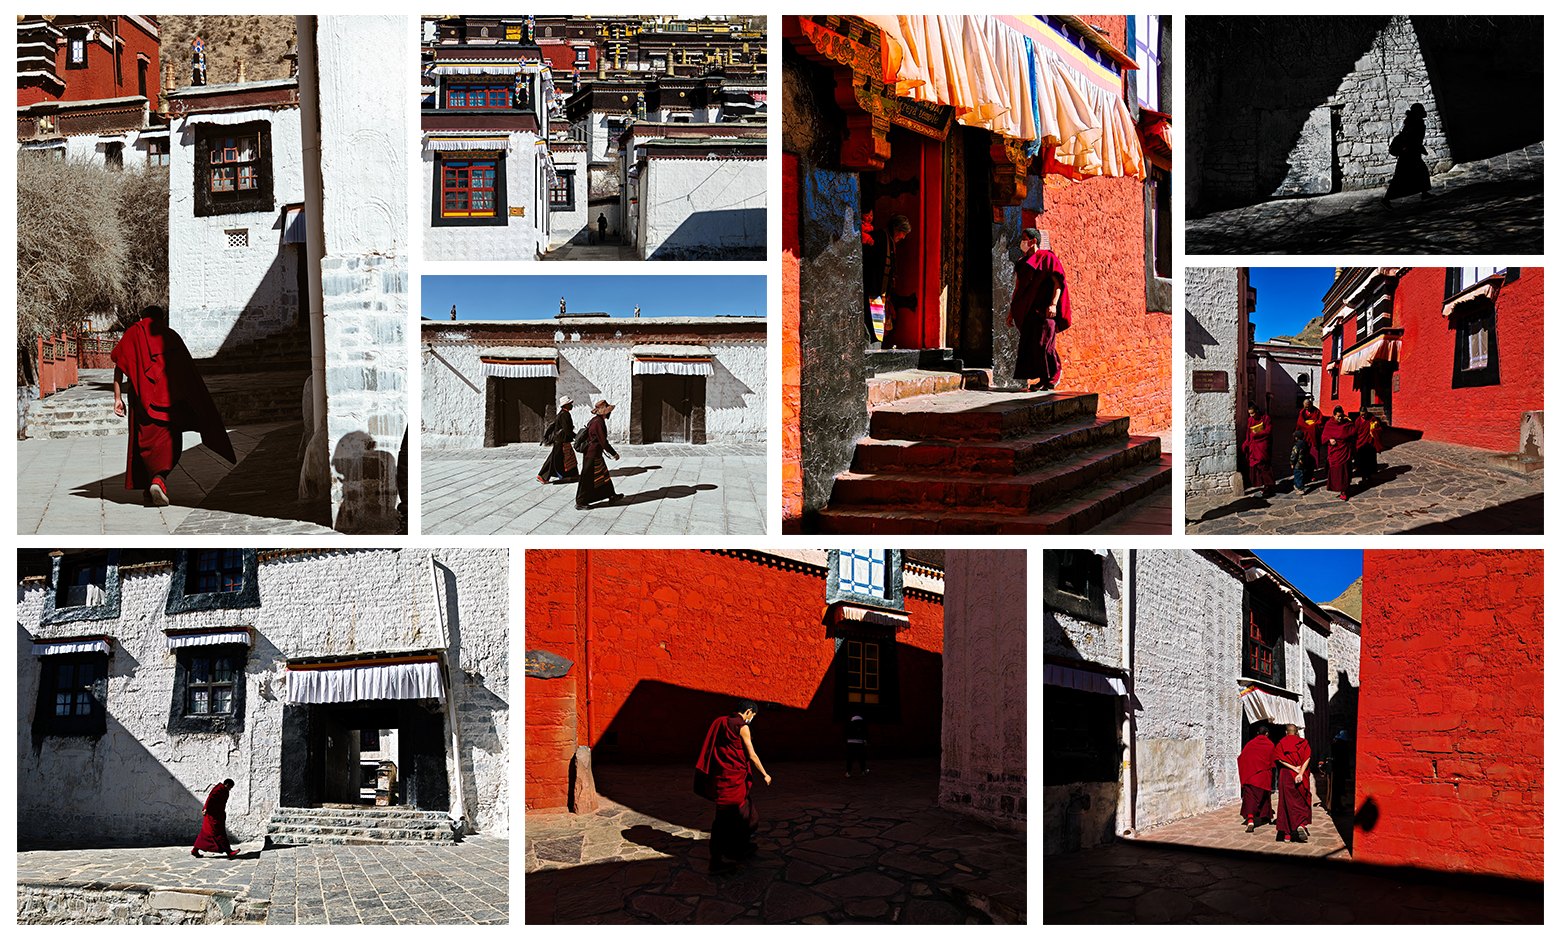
pixel 97 80
pixel 676 638
pixel 1450 719
pixel 1488 417
pixel 792 352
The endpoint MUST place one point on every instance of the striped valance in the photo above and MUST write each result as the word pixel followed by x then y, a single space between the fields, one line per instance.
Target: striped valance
pixel 520 362
pixel 506 69
pixel 400 678
pixel 71 646
pixel 671 360
pixel 466 142
pixel 215 637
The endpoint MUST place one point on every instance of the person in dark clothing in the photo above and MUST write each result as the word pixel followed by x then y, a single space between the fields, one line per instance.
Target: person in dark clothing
pixel 1408 147
pixel 879 249
pixel 725 758
pixel 602 228
pixel 857 744
pixel 595 485
pixel 1301 462
pixel 560 465
pixel 1039 308
pixel 214 822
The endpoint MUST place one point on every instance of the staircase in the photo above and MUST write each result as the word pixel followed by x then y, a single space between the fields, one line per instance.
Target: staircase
pixel 84 410
pixel 984 462
pixel 345 824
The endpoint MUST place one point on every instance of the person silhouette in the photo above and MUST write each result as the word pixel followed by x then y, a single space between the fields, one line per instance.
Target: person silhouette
pixel 1407 147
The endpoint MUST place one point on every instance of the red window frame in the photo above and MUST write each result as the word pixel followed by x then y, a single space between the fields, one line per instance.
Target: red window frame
pixel 469 188
pixel 469 96
pixel 229 173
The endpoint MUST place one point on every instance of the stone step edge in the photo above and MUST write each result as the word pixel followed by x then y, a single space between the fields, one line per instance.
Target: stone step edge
pixel 1083 457
pixel 1054 436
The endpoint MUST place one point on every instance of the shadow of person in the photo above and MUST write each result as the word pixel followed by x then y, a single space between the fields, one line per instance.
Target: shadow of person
pixel 1246 503
pixel 666 491
pixel 368 476
pixel 1408 147
pixel 661 841
pixel 1383 475
pixel 631 471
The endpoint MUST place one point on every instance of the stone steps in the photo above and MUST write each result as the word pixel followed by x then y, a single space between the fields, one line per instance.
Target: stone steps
pixel 900 385
pixel 976 415
pixel 347 825
pixel 1012 455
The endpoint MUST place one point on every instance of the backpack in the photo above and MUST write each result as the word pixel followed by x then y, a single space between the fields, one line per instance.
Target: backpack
pixel 580 438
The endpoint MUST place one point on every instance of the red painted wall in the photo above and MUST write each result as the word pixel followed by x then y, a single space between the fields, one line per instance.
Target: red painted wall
pixel 792 354
pixel 1487 417
pixel 1450 730
pixel 675 638
pixel 1348 397
pixel 96 81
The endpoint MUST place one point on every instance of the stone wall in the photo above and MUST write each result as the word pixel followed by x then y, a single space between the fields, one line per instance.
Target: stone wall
pixel 1070 637
pixel 570 225
pixel 1215 324
pixel 140 783
pixel 517 239
pixel 1372 102
pixel 982 760
pixel 703 209
pixel 1187 642
pixel 1345 681
pixel 228 290
pixel 39 904
pixel 1450 754
pixel 363 273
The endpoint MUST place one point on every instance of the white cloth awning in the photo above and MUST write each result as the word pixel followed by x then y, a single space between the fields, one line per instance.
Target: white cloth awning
pixel 672 360
pixel 866 615
pixel 72 647
pixel 1260 704
pixel 237 637
pixel 515 361
pixel 466 143
pixel 520 370
pixel 655 367
pixel 506 69
pixel 413 680
pixel 226 118
pixel 1488 290
pixel 1089 681
pixel 1380 348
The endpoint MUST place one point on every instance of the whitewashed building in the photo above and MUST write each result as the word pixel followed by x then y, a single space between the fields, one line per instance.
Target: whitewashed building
pixel 694 191
pixel 673 379
pixel 310 677
pixel 1218 301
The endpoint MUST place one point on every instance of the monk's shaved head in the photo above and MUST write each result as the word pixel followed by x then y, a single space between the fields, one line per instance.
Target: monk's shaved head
pixel 1291 729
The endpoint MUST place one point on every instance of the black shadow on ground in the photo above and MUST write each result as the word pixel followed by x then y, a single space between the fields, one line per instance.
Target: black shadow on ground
pixel 631 471
pixel 1521 516
pixel 664 492
pixel 1245 503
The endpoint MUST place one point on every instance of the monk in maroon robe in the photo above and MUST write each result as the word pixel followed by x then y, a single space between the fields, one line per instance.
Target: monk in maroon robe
pixel 1254 766
pixel 167 397
pixel 1039 308
pixel 723 767
pixel 1369 443
pixel 1310 420
pixel 1340 444
pixel 214 822
pixel 1256 446
pixel 1294 804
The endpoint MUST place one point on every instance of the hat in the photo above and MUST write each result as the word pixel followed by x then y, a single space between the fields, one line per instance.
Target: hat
pixel 565 401
pixel 602 405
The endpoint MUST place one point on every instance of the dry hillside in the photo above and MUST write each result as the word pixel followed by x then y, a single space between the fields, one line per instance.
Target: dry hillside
pixel 1312 335
pixel 1350 602
pixel 260 41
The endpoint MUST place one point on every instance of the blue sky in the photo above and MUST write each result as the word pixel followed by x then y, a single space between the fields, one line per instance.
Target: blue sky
pixel 537 297
pixel 1322 575
pixel 1287 297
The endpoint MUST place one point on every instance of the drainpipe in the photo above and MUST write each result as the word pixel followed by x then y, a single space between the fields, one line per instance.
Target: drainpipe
pixel 317 453
pixel 458 807
pixel 1130 787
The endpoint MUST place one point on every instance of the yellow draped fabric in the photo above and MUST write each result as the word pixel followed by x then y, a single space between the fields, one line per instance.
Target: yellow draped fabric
pixel 980 66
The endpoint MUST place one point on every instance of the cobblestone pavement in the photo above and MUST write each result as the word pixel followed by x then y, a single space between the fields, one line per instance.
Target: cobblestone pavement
pixel 467 883
pixel 831 849
pixel 1421 487
pixel 77 486
pixel 1153 884
pixel 1484 207
pixel 668 488
pixel 590 252
pixel 1223 829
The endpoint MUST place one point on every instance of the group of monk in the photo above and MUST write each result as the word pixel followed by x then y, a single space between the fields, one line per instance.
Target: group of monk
pixel 1342 445
pixel 1281 766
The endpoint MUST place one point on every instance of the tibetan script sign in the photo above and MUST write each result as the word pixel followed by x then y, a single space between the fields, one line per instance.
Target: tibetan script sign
pixel 1211 381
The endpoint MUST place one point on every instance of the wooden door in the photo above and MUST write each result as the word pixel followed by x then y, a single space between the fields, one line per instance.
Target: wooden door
pixel 665 413
pixel 521 408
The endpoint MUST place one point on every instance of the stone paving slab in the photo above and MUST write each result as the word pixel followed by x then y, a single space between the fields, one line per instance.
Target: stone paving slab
pixel 77 486
pixel 150 867
pixel 668 488
pixel 1422 487
pixel 873 848
pixel 1491 206
pixel 1155 884
pixel 1223 829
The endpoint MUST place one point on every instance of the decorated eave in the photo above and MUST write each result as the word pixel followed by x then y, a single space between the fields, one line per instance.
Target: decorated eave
pixel 849 615
pixel 1478 297
pixel 229 103
pixel 672 360
pixel 457 141
pixel 194 638
pixel 406 675
pixel 507 361
pixel 1051 107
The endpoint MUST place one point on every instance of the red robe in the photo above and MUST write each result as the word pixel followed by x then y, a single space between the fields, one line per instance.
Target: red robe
pixel 167 397
pixel 1310 420
pixel 1294 807
pixel 1037 355
pixel 1257 448
pixel 214 821
pixel 1254 764
pixel 1339 446
pixel 724 758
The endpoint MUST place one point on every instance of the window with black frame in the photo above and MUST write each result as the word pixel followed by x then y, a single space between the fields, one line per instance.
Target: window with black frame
pixel 208 689
pixel 1264 641
pixel 71 691
pixel 215 571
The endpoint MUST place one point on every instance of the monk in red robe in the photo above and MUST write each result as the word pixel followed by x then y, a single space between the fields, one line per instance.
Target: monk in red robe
pixel 1254 767
pixel 1310 420
pixel 1369 443
pixel 1294 804
pixel 1340 444
pixel 214 822
pixel 167 397
pixel 725 758
pixel 1039 308
pixel 1256 446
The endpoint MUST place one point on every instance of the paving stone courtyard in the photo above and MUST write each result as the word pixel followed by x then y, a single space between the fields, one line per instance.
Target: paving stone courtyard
pixel 668 488
pixel 77 486
pixel 874 848
pixel 1491 206
pixel 322 884
pixel 1421 487
pixel 1223 829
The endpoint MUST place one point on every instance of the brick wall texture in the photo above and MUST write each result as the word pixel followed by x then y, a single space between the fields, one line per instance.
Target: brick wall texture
pixel 657 653
pixel 1450 728
pixel 792 353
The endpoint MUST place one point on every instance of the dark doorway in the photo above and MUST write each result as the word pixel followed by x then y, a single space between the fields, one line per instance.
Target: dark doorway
pixel 974 333
pixel 518 410
pixel 323 752
pixel 912 184
pixel 669 408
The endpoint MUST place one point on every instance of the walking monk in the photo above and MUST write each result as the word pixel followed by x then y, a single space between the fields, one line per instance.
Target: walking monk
pixel 214 822
pixel 1310 420
pixel 1340 444
pixel 1294 806
pixel 1254 765
pixel 724 762
pixel 1256 446
pixel 167 397
pixel 1039 308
